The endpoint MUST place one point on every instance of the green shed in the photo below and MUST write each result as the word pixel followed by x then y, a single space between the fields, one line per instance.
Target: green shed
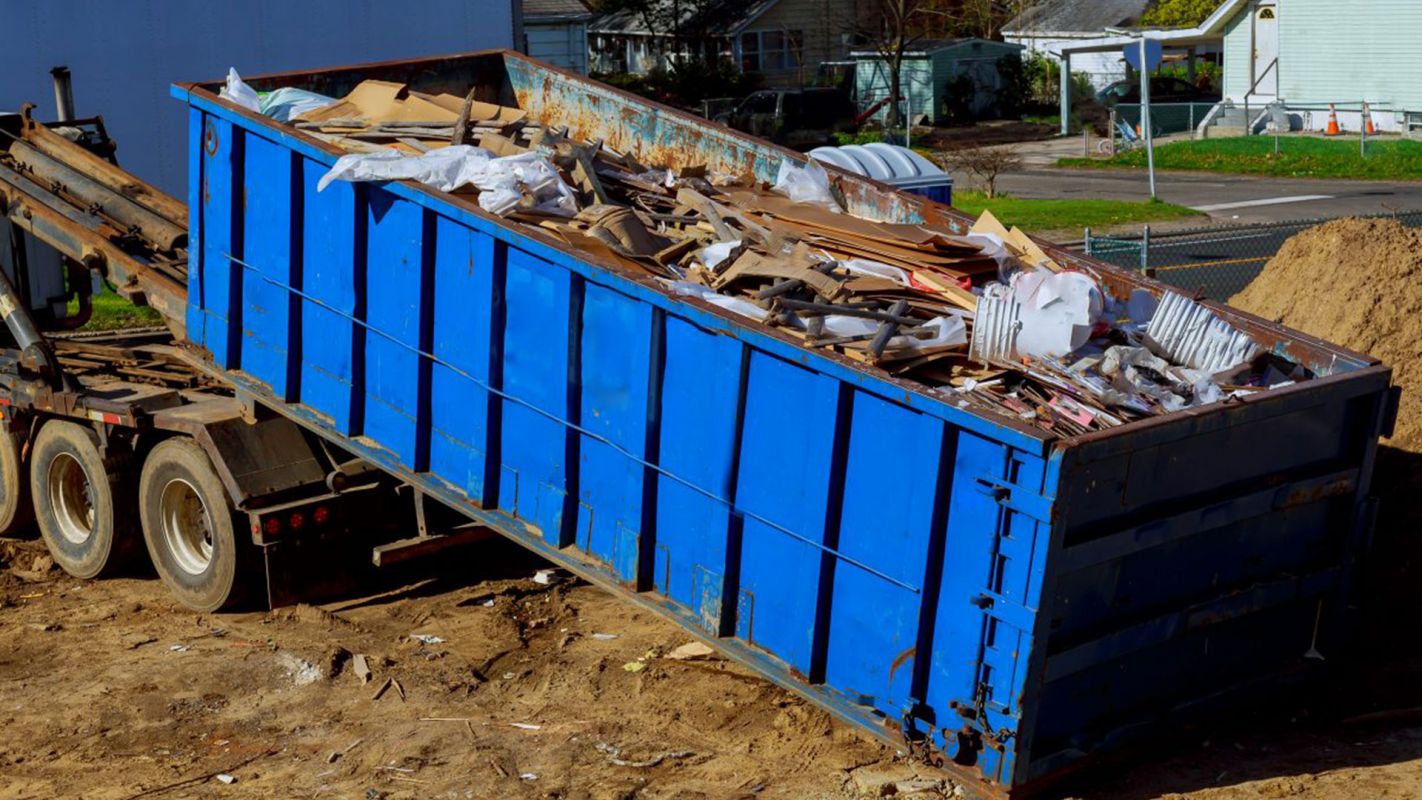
pixel 927 69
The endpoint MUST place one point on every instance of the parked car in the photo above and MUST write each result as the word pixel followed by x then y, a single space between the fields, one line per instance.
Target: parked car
pixel 793 117
pixel 1162 90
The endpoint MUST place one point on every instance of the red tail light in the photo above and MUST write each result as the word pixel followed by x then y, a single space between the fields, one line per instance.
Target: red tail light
pixel 297 521
pixel 272 526
pixel 321 515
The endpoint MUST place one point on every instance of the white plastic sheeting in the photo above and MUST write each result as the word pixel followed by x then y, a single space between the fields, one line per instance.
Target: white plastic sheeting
pixel 503 182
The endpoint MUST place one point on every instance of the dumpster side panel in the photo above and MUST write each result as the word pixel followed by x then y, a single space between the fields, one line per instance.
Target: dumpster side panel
pixel 1213 557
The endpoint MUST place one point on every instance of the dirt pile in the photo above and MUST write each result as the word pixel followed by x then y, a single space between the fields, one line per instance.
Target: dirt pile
pixel 1357 283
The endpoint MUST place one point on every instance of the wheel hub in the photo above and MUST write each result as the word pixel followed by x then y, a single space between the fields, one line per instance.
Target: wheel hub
pixel 73 498
pixel 187 526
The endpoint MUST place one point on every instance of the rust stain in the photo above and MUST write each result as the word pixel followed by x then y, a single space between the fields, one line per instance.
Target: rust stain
pixel 900 660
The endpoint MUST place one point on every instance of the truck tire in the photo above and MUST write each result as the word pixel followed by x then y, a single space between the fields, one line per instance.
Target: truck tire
pixel 85 512
pixel 189 527
pixel 16 511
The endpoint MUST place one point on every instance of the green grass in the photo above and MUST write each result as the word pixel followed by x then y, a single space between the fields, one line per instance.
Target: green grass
pixel 1299 157
pixel 1052 215
pixel 112 313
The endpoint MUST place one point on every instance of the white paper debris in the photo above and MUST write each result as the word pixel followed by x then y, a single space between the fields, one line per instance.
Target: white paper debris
pixel 225 778
pixel 995 328
pixel 1058 313
pixel 806 184
pixel 527 726
pixel 239 92
pixel 427 638
pixel 712 256
pixel 743 307
pixel 604 637
pixel 1186 332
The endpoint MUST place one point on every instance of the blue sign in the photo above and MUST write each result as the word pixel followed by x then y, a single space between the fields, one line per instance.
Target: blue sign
pixel 1153 51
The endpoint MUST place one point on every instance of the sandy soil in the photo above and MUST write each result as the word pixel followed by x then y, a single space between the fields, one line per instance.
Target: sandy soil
pixel 109 690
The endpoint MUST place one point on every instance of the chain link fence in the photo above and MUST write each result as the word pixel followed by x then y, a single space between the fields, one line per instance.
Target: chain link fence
pixel 1215 262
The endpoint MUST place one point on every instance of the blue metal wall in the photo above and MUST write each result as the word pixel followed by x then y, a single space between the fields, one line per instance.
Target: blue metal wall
pixel 908 565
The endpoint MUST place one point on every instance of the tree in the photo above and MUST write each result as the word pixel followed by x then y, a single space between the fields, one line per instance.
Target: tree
pixel 1179 13
pixel 897 24
pixel 987 163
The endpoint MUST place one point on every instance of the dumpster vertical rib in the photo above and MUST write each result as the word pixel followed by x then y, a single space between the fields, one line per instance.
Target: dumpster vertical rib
pixel 572 439
pixel 834 508
pixel 197 182
pixel 652 443
pixel 297 274
pixel 360 265
pixel 736 523
pixel 232 343
pixel 424 397
pixel 493 427
pixel 933 575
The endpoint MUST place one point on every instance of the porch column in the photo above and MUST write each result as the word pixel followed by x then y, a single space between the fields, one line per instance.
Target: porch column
pixel 1190 65
pixel 1066 93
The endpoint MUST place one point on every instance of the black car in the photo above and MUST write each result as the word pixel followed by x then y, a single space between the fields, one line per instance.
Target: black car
pixel 1162 90
pixel 793 117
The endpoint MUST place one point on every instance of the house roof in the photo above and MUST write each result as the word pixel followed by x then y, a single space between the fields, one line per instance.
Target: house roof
pixel 925 47
pixel 1208 32
pixel 536 10
pixel 1075 16
pixel 709 17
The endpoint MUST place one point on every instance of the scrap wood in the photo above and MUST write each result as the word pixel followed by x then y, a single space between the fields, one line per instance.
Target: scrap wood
pixel 754 265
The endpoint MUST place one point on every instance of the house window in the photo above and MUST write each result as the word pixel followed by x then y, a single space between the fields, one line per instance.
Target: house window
pixel 767 51
pixel 1266 13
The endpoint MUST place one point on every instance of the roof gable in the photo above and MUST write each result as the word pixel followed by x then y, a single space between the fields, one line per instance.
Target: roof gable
pixel 560 9
pixel 1076 16
pixel 703 17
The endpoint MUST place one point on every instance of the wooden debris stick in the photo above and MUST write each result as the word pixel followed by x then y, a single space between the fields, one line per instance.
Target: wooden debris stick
pixel 461 125
pixel 703 204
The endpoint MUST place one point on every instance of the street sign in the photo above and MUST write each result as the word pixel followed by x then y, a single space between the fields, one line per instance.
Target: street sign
pixel 1153 52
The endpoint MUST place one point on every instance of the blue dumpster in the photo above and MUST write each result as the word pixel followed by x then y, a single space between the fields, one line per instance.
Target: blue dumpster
pixel 986 595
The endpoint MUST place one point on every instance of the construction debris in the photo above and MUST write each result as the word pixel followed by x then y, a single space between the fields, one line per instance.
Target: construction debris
pixel 988 319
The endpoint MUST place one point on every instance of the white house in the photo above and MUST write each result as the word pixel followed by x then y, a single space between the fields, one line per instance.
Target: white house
pixel 556 31
pixel 1300 57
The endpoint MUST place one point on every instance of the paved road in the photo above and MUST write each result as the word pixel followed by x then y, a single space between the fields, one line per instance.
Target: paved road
pixel 1227 198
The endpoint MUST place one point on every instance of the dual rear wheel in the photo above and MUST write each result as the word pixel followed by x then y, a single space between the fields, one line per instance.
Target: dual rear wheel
pixel 96 523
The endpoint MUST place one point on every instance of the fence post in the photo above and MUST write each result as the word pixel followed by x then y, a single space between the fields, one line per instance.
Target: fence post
pixel 1088 241
pixel 1145 251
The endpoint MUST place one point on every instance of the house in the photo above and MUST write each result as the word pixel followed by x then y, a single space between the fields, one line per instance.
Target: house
pixel 927 71
pixel 556 31
pixel 782 41
pixel 1048 25
pixel 1287 61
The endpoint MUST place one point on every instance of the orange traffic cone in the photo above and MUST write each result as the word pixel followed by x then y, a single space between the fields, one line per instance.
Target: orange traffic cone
pixel 1368 120
pixel 1333 129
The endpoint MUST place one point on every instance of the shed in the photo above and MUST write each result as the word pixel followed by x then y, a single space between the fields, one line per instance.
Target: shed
pixel 927 71
pixel 893 164
pixel 556 32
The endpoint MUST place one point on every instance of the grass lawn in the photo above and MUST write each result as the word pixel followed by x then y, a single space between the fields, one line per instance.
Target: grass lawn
pixel 1299 157
pixel 112 313
pixel 1053 215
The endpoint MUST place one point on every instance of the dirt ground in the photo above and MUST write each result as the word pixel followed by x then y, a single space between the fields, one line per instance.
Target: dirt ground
pixel 109 690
